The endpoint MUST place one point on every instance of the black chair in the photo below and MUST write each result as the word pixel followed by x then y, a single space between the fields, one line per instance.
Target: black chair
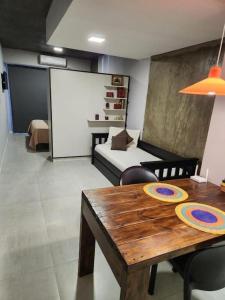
pixel 202 270
pixel 137 174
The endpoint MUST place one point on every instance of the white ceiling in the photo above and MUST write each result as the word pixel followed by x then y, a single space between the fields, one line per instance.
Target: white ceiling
pixel 139 28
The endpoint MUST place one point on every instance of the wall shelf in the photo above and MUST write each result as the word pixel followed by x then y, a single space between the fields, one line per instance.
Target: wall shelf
pixel 114 111
pixel 106 121
pixel 114 87
pixel 113 99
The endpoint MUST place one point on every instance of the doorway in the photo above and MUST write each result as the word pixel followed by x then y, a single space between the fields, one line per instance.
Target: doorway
pixel 29 92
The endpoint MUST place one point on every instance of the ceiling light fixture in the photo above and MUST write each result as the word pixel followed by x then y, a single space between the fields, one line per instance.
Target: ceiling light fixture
pixel 214 84
pixel 58 49
pixel 96 39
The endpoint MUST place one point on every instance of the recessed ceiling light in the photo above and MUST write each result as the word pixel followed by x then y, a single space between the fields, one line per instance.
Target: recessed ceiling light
pixel 96 39
pixel 58 49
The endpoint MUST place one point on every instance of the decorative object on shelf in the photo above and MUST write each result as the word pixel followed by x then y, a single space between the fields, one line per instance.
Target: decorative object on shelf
pixel 123 103
pixel 118 118
pixel 165 192
pixel 214 84
pixel 222 186
pixel 106 118
pixel 202 217
pixel 117 80
pixel 107 105
pixel 117 106
pixel 121 92
pixel 110 94
pixel 96 117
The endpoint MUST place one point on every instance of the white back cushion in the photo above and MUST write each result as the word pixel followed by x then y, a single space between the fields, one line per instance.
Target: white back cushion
pixel 112 132
pixel 134 133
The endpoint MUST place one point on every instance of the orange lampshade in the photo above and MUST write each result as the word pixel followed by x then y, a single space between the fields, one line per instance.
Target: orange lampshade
pixel 213 85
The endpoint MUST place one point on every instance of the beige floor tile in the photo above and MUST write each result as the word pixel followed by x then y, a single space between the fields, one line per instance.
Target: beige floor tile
pixel 24 251
pixel 39 233
pixel 64 242
pixel 63 209
pixel 10 289
pixel 99 286
pixel 40 285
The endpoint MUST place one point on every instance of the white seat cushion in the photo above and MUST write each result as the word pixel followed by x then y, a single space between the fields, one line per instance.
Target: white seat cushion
pixel 124 159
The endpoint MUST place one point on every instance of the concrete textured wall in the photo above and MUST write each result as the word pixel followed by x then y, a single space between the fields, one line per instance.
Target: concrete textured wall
pixel 173 121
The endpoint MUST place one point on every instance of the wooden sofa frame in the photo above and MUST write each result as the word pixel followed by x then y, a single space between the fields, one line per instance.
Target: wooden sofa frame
pixel 171 166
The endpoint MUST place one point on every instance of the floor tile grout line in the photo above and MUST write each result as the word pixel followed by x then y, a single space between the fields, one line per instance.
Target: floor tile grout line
pixel 48 239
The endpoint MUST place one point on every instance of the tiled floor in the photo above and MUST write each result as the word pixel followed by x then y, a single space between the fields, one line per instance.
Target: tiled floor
pixel 39 231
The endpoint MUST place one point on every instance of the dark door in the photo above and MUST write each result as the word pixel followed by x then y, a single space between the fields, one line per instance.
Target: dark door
pixel 28 89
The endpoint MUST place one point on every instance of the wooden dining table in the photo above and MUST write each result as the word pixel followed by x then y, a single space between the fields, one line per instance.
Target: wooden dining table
pixel 135 231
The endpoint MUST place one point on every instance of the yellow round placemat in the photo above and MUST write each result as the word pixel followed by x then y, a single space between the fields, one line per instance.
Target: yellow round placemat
pixel 165 192
pixel 202 217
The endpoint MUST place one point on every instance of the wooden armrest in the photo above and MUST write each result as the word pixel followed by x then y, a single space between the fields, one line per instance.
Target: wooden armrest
pixel 98 138
pixel 166 170
pixel 158 152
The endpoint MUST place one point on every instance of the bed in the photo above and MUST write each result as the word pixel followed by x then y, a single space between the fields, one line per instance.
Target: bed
pixel 164 164
pixel 39 133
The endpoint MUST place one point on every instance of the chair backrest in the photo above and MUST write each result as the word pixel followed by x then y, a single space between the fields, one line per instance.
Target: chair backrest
pixel 137 174
pixel 207 268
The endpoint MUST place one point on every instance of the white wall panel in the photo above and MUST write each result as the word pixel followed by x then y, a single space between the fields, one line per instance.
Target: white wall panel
pixel 76 97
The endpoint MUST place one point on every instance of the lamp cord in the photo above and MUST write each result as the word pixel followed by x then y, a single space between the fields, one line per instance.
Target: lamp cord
pixel 221 44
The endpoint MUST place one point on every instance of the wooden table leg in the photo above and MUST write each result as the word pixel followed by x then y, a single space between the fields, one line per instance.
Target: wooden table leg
pixel 135 285
pixel 87 249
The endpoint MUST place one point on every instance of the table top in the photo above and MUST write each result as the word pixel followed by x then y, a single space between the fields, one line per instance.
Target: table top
pixel 145 230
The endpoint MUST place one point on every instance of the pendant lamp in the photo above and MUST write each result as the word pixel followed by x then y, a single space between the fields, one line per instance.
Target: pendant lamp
pixel 213 85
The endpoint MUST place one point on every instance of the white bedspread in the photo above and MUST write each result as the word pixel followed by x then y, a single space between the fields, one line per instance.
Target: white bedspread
pixel 124 159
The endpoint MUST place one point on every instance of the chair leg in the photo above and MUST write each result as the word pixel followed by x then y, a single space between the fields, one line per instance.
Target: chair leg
pixel 187 290
pixel 153 273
